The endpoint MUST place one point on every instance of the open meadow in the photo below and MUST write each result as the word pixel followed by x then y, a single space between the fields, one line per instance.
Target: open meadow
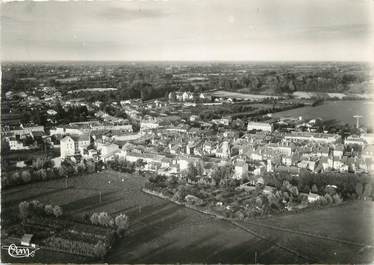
pixel 163 232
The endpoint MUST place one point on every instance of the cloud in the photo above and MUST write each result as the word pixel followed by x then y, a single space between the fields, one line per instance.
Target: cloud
pixel 118 13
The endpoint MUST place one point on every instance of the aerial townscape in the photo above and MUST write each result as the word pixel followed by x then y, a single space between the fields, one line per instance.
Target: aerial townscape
pixel 187 132
pixel 92 152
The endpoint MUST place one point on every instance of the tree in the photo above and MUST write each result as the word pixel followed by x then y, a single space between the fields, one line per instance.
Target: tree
pixel 39 162
pixel 294 191
pixel 359 189
pixel 24 209
pixel 15 178
pixel 94 218
pixel 122 223
pixel 100 249
pixel 57 211
pixel 61 171
pixel 48 209
pixel 139 163
pixel 323 200
pixel 191 172
pixel 37 207
pixel 49 164
pixel 367 190
pixel 314 188
pixel 329 199
pixel 82 168
pixel 180 194
pixel 221 172
pixel 26 176
pixel 42 173
pixel 104 219
pixel 90 166
pixel 200 168
pixel 337 199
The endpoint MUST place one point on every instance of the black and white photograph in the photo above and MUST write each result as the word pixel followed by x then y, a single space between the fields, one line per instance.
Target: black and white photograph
pixel 187 132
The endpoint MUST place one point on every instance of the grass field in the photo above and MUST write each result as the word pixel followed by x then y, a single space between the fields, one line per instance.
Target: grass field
pixel 163 232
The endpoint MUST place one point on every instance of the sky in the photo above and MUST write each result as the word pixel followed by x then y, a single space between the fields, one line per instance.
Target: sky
pixel 191 30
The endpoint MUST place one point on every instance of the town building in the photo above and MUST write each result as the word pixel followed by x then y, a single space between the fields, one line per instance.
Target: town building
pixel 73 145
pixel 259 126
pixel 313 137
pixel 240 169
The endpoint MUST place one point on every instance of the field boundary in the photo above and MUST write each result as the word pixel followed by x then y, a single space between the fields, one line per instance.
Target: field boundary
pixel 282 229
pixel 294 252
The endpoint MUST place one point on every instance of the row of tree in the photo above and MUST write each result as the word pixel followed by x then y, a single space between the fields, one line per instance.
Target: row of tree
pixel 349 185
pixel 40 172
pixel 119 222
pixel 36 208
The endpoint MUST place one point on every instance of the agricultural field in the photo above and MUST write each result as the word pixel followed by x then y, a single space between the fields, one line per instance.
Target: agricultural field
pixel 345 232
pixel 163 232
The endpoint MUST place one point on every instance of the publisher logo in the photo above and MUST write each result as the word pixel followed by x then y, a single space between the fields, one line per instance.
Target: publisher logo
pixel 20 251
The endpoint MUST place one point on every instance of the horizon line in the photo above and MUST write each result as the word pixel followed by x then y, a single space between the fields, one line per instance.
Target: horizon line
pixel 188 61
